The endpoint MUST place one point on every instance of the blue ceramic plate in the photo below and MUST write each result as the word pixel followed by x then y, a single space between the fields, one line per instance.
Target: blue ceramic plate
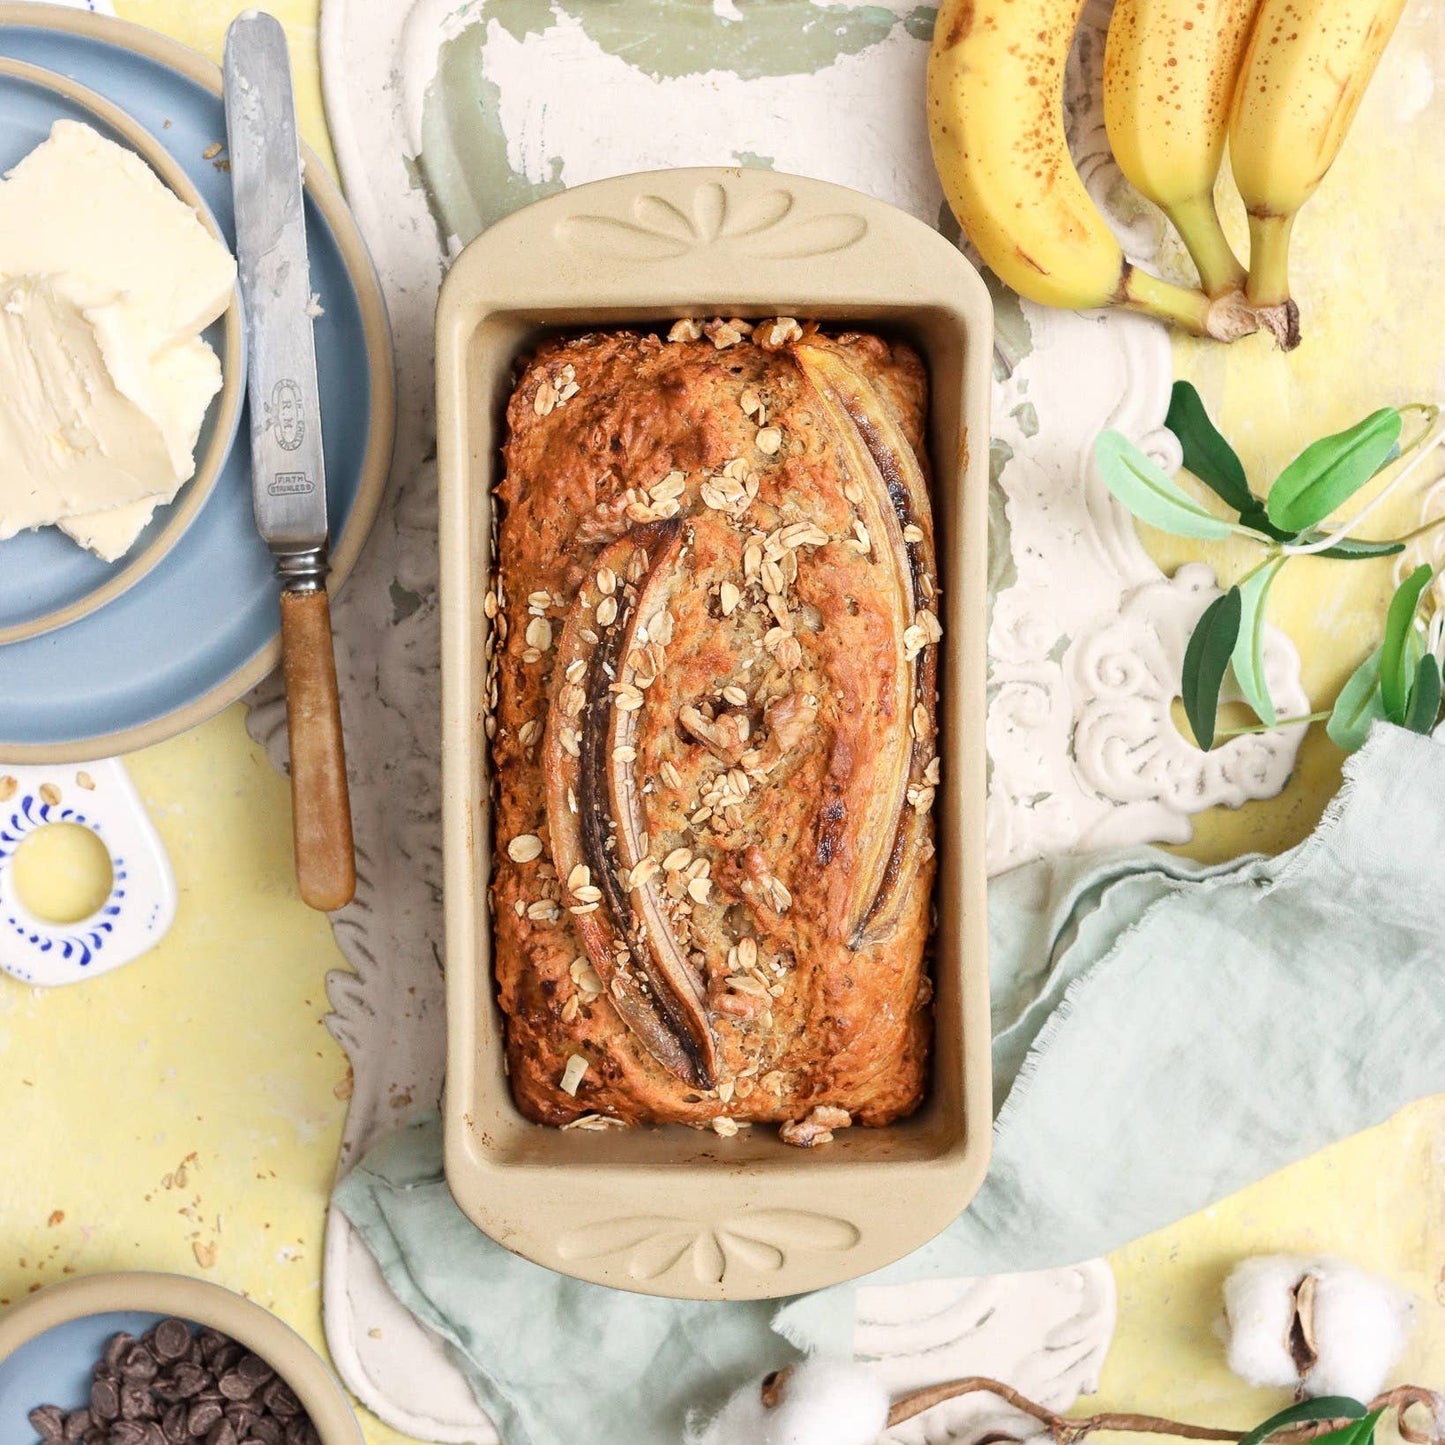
pixel 201 628
pixel 46 580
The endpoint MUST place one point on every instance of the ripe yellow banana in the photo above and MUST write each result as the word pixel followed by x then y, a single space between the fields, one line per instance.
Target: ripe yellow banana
pixel 1303 77
pixel 1169 69
pixel 996 120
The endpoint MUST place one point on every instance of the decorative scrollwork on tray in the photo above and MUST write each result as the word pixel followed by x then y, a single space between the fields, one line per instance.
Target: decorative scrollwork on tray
pixel 762 225
pixel 652 1245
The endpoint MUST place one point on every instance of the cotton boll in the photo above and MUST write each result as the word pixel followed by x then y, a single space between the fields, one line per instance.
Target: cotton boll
pixel 1316 1323
pixel 819 1402
pixel 1259 1309
pixel 1361 1325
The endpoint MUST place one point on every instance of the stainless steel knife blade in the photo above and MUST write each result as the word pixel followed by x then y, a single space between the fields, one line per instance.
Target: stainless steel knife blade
pixel 287 467
pixel 288 473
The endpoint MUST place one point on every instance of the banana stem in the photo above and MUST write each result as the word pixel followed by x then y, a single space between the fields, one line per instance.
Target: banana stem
pixel 1225 318
pixel 1269 260
pixel 1197 222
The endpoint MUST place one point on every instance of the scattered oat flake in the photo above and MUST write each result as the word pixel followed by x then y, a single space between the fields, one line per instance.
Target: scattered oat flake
pixel 84 780
pixel 524 848
pixel 8 788
pixel 685 330
pixel 57 1217
pixel 724 1127
pixel 768 440
pixel 212 151
pixel 728 598
pixel 205 1253
pixel 49 793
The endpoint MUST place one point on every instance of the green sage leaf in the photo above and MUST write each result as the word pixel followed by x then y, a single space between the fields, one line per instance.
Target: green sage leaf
pixel 1327 1407
pixel 1330 471
pixel 1150 493
pixel 1205 661
pixel 1248 656
pixel 1359 706
pixel 1350 549
pixel 1395 666
pixel 1206 453
pixel 1424 706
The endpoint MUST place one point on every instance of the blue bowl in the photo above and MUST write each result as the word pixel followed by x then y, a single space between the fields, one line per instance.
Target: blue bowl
pixel 51 1341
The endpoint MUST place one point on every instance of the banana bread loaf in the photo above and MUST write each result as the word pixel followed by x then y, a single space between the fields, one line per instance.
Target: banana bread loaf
pixel 713 729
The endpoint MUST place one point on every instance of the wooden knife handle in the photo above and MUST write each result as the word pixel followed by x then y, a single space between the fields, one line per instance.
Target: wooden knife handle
pixel 320 802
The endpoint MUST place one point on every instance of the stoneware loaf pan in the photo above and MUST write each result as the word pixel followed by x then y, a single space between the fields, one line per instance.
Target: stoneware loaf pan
pixel 675 1211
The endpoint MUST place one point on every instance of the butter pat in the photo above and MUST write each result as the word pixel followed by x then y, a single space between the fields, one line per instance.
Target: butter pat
pixel 94 217
pixel 109 278
pixel 70 441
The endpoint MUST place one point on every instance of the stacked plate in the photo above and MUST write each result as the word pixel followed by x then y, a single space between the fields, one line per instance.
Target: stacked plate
pixel 99 658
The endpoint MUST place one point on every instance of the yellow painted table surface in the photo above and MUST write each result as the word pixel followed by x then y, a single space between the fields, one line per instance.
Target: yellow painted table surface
pixel 184 1113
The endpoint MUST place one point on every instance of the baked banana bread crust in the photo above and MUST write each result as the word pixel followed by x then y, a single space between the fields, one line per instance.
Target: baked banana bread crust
pixel 713 702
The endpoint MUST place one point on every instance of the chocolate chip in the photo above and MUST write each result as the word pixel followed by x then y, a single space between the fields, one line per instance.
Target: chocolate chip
pixel 76 1424
pixel 172 1339
pixel 235 1386
pixel 222 1433
pixel 227 1357
pixel 211 1343
pixel 255 1369
pixel 190 1380
pixel 267 1431
pixel 281 1400
pixel 104 1399
pixel 48 1421
pixel 115 1350
pixel 127 1432
pixel 203 1415
pixel 174 1424
pixel 139 1365
pixel 136 1402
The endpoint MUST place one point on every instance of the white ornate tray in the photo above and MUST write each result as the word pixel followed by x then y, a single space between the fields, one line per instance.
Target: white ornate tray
pixel 1086 633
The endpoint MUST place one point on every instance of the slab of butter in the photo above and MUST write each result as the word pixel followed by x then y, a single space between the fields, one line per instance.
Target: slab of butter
pixel 121 254
pixel 71 441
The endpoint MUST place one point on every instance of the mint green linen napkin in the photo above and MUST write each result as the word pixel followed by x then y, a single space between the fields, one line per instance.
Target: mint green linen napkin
pixel 1164 1034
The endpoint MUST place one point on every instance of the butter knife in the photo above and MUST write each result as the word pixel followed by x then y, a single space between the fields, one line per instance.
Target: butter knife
pixel 288 469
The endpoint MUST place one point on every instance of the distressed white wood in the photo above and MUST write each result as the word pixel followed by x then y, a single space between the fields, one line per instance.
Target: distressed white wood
pixel 1086 639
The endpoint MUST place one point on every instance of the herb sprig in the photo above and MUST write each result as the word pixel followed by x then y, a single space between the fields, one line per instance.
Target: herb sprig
pixel 1401 680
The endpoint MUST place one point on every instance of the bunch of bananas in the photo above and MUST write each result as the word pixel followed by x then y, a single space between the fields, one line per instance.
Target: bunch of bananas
pixel 1281 80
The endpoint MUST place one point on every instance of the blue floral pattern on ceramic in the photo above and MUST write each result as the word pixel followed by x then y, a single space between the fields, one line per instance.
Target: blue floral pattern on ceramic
pixel 141 904
pixel 91 934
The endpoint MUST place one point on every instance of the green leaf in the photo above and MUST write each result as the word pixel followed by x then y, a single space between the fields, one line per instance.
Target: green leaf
pixel 1147 490
pixel 1350 549
pixel 1357 1432
pixel 1248 657
pixel 1206 453
pixel 1359 706
pixel 1327 1407
pixel 1425 696
pixel 1330 471
pixel 1395 667
pixel 1205 660
pixel 1257 516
